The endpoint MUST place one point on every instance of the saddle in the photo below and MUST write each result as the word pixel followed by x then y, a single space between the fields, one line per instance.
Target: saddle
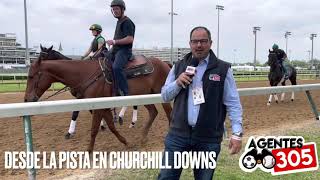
pixel 138 65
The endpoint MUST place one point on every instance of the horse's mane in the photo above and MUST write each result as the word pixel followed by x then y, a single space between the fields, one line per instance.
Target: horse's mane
pixel 65 57
pixel 51 52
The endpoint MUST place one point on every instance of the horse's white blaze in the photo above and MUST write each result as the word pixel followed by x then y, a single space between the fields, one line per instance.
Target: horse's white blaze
pixel 292 95
pixel 282 96
pixel 72 127
pixel 123 110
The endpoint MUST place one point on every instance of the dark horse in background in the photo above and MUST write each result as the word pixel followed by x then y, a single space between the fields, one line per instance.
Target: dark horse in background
pixel 276 75
pixel 87 77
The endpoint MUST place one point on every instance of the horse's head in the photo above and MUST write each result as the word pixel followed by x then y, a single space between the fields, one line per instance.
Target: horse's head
pixel 50 54
pixel 46 53
pixel 272 58
pixel 37 83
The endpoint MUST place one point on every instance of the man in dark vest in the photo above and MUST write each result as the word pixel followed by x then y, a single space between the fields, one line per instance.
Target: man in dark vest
pixel 122 42
pixel 202 97
pixel 98 46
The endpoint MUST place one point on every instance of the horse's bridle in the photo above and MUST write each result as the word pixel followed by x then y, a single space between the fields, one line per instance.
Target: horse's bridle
pixel 273 62
pixel 36 85
pixel 79 88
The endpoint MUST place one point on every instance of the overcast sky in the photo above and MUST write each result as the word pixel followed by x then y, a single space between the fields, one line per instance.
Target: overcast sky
pixel 68 21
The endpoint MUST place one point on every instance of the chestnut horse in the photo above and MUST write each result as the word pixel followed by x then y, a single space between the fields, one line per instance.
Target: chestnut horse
pixel 86 77
pixel 50 54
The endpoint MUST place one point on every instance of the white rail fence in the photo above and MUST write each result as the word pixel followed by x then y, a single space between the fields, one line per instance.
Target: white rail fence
pixel 313 74
pixel 45 107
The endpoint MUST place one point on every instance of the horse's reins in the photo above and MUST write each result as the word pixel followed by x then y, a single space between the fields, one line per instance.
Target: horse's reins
pixel 81 87
pixel 64 89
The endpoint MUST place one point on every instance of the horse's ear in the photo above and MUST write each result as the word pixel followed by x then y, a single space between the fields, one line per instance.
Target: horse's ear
pixel 50 48
pixel 269 51
pixel 41 47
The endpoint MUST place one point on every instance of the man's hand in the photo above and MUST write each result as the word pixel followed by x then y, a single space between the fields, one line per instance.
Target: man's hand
pixel 183 80
pixel 235 145
pixel 110 42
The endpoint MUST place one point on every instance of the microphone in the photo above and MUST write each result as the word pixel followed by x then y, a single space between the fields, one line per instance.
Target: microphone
pixel 192 68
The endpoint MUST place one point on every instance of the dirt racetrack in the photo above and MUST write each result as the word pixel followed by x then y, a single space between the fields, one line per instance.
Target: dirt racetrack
pixel 49 130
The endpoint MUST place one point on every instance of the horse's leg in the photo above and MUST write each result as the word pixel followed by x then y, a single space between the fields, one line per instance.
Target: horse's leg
pixel 276 97
pixel 271 95
pixel 292 95
pixel 96 118
pixel 102 123
pixel 115 119
pixel 106 113
pixel 274 94
pixel 73 123
pixel 168 109
pixel 121 114
pixel 293 80
pixel 134 116
pixel 153 112
pixel 283 94
pixel 270 99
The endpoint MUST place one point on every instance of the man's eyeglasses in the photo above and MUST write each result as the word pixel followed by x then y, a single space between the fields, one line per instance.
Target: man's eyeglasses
pixel 197 41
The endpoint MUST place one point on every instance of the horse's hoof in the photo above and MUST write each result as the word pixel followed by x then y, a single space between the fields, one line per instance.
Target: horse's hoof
pixel 132 125
pixel 268 104
pixel 67 136
pixel 291 99
pixel 120 120
pixel 277 102
pixel 103 128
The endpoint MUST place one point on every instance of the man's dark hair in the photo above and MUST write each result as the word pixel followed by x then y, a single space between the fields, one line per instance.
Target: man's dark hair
pixel 201 27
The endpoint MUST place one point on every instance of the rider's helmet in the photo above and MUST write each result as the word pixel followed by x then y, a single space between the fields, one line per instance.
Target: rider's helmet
pixel 118 3
pixel 275 47
pixel 96 27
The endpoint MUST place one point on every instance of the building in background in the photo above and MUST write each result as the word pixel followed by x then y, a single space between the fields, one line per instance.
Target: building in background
pixel 163 53
pixel 12 54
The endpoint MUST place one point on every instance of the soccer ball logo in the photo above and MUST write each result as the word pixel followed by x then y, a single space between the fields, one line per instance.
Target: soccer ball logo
pixel 252 158
pixel 249 162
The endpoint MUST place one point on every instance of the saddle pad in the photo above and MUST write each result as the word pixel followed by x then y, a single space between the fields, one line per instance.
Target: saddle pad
pixel 136 71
